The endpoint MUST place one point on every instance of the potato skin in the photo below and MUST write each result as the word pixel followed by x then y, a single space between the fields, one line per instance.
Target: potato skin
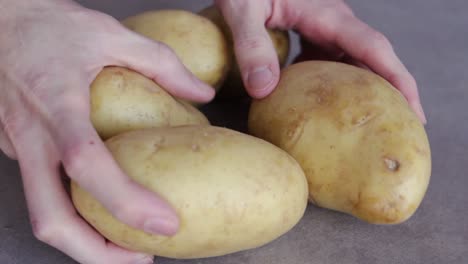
pixel 123 100
pixel 198 43
pixel 232 191
pixel 362 148
pixel 233 87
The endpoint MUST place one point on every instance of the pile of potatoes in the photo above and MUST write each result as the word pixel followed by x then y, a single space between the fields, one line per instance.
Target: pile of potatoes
pixel 333 134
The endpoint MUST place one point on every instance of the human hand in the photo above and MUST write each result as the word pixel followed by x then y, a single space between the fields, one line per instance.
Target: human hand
pixel 329 24
pixel 50 52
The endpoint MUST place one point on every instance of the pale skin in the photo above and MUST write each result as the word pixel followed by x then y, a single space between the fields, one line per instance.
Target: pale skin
pixel 52 50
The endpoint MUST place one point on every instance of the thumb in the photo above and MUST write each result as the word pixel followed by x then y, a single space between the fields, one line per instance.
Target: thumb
pixel 157 61
pixel 255 53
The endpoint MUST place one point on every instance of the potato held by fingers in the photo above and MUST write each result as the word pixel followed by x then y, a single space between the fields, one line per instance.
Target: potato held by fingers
pixel 198 43
pixel 123 100
pixel 361 147
pixel 231 191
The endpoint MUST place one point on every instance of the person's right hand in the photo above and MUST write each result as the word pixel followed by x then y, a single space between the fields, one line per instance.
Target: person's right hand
pixel 50 52
pixel 329 24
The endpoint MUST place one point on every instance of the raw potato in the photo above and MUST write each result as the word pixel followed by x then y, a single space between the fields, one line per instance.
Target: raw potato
pixel 232 191
pixel 234 86
pixel 123 100
pixel 362 148
pixel 199 43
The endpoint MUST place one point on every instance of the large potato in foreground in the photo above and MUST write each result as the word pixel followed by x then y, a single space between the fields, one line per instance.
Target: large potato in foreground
pixel 233 86
pixel 198 43
pixel 231 191
pixel 363 150
pixel 123 100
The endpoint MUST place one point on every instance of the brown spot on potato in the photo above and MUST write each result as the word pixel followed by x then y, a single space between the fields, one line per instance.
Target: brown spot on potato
pixel 295 131
pixel 322 95
pixel 356 201
pixel 156 148
pixel 292 110
pixel 392 164
pixel 363 120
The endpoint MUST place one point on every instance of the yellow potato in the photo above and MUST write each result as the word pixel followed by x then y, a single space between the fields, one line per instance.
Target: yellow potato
pixel 362 148
pixel 123 100
pixel 233 86
pixel 198 43
pixel 231 191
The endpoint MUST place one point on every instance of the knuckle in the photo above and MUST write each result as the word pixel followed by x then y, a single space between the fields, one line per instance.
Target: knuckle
pixel 168 60
pixel 252 42
pixel 374 43
pixel 284 15
pixel 328 18
pixel 124 212
pixel 378 39
pixel 73 161
pixel 47 231
pixel 14 122
pixel 165 54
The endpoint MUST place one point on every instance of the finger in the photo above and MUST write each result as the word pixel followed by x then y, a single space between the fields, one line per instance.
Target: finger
pixel 362 43
pixel 88 162
pixel 158 62
pixel 5 144
pixel 53 218
pixel 255 53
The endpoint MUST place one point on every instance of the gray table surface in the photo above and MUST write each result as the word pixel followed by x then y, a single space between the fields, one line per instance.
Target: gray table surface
pixel 431 37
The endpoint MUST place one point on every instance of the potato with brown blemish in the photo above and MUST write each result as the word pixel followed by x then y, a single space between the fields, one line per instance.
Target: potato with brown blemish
pixel 123 100
pixel 362 148
pixel 231 191
pixel 233 86
pixel 198 42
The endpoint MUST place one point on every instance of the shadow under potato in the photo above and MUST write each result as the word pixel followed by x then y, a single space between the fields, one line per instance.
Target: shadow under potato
pixel 229 113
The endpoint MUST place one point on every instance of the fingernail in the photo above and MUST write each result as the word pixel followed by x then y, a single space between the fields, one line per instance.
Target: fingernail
pixel 144 259
pixel 260 78
pixel 161 226
pixel 421 113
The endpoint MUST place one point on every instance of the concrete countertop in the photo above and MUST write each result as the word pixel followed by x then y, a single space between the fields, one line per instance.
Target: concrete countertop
pixel 431 37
